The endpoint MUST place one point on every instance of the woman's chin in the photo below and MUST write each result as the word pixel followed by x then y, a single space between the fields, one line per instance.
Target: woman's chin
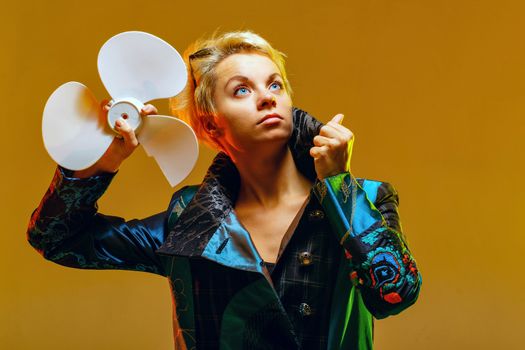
pixel 276 133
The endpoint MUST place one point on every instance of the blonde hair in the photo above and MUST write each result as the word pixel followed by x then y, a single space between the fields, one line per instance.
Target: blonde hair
pixel 195 104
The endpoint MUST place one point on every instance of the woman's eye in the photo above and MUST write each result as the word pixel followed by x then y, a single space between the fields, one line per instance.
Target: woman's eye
pixel 276 85
pixel 240 91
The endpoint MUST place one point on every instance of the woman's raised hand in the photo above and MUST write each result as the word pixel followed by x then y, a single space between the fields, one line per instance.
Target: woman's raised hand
pixel 332 149
pixel 121 148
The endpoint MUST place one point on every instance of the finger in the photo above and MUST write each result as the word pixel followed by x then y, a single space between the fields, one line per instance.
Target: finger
pixel 336 131
pixel 318 152
pixel 339 127
pixel 338 118
pixel 105 104
pixel 149 109
pixel 320 141
pixel 330 130
pixel 126 132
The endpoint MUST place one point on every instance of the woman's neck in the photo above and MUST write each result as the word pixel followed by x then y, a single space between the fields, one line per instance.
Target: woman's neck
pixel 268 178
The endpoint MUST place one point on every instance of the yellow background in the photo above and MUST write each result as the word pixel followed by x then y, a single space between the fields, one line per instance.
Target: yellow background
pixel 433 90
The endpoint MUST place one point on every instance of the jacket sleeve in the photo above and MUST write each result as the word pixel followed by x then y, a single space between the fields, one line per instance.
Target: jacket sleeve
pixel 370 232
pixel 66 229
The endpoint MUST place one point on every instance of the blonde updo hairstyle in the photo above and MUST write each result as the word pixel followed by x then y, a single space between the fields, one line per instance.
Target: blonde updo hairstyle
pixel 195 104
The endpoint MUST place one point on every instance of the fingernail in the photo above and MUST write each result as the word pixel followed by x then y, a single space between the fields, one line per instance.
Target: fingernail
pixel 341 118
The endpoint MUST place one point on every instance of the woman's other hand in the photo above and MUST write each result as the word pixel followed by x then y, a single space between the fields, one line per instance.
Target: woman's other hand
pixel 121 148
pixel 332 149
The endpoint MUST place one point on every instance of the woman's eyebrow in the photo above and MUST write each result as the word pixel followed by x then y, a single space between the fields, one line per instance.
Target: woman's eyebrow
pixel 245 79
pixel 237 77
pixel 272 76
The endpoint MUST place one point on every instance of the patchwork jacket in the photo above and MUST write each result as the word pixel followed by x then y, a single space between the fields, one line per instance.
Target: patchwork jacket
pixel 201 247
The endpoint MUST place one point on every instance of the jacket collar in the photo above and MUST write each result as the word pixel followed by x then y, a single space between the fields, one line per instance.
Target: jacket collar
pixel 212 205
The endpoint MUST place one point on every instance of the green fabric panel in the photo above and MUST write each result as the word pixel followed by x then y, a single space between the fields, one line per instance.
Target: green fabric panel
pixel 249 301
pixel 182 288
pixel 360 334
pixel 350 321
pixel 339 309
pixel 324 190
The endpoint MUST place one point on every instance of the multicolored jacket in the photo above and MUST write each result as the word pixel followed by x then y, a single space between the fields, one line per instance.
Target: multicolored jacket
pixel 199 234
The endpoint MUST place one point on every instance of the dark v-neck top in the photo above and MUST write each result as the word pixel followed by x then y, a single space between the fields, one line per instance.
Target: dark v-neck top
pixel 305 273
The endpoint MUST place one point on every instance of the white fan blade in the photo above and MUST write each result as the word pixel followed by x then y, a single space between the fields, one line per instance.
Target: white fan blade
pixel 140 65
pixel 74 133
pixel 172 143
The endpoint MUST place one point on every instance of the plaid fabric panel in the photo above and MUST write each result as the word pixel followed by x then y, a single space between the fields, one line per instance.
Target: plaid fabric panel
pixel 214 286
pixel 298 284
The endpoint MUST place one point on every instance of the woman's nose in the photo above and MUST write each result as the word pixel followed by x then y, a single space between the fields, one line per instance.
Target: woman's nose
pixel 267 101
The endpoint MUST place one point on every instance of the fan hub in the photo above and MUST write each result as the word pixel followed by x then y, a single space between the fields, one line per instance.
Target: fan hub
pixel 127 109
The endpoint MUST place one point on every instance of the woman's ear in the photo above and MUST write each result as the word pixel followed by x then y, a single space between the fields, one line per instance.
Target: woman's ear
pixel 211 128
pixel 214 132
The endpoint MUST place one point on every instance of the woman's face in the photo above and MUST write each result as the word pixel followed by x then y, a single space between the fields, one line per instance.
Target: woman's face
pixel 252 104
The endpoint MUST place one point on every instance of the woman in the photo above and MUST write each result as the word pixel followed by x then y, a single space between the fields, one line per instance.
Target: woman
pixel 280 247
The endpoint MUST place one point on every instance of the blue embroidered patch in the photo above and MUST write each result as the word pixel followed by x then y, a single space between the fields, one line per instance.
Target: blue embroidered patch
pixel 371 238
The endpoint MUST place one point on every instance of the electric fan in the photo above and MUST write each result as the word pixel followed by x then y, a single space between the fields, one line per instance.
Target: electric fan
pixel 135 67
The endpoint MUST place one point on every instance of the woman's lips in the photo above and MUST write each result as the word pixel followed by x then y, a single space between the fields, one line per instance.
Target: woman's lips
pixel 270 119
